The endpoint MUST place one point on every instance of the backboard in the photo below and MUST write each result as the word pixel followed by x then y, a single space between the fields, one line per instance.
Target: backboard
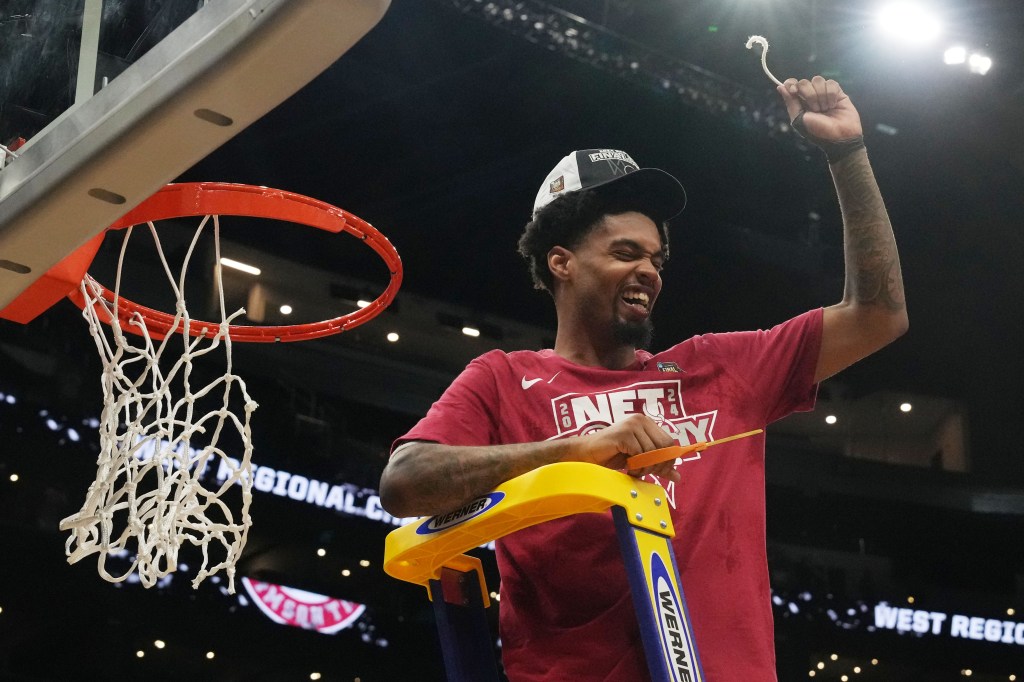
pixel 115 98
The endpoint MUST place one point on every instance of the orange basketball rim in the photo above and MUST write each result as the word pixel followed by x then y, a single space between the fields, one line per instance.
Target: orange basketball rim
pixel 213 199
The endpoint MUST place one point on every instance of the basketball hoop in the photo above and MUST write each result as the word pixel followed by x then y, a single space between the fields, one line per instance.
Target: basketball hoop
pixel 156 429
pixel 217 198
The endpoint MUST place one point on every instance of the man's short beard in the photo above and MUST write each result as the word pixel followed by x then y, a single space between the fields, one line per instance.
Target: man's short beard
pixel 636 334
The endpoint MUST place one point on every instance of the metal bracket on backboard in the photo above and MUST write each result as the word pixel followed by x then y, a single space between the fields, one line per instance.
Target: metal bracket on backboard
pixel 222 69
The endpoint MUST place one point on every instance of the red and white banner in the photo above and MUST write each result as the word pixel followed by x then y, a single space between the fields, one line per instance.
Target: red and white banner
pixel 301 609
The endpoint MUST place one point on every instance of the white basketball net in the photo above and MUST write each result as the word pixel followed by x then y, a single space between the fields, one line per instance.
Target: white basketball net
pixel 148 487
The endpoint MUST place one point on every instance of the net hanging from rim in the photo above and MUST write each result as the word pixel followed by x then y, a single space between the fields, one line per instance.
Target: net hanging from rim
pixel 163 429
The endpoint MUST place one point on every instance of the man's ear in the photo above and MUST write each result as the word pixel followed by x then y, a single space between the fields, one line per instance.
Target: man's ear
pixel 559 259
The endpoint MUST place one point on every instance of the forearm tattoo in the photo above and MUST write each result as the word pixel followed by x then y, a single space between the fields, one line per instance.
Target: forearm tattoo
pixel 873 274
pixel 447 477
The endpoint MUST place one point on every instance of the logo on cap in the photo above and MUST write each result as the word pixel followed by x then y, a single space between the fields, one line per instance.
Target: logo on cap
pixel 611 155
pixel 557 185
pixel 610 162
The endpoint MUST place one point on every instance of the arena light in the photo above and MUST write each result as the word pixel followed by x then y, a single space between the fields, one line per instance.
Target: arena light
pixel 909 22
pixel 979 63
pixel 240 266
pixel 955 55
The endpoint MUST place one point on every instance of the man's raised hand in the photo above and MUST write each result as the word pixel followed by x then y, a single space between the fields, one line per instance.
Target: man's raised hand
pixel 827 112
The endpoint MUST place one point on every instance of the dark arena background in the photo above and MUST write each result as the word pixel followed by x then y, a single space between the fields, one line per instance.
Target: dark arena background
pixel 895 509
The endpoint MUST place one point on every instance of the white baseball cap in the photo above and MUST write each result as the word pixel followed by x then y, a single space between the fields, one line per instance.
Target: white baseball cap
pixel 661 195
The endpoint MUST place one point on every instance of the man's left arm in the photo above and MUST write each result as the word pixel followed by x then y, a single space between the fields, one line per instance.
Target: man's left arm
pixel 873 312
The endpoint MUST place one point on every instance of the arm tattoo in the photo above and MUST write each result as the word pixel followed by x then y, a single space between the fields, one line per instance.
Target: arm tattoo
pixel 873 274
pixel 447 476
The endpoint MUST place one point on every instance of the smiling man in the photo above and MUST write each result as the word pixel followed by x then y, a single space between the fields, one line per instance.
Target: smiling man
pixel 597 243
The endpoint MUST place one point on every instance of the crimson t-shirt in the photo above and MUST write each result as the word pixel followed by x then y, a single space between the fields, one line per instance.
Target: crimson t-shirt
pixel 566 611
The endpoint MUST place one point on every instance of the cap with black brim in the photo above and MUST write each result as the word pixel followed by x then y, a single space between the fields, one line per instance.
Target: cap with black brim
pixel 661 195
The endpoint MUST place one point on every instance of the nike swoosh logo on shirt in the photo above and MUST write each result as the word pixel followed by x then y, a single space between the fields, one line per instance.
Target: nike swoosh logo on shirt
pixel 527 383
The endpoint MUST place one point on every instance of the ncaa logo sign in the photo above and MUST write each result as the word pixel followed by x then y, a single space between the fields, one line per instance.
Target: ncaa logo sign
pixel 473 509
pixel 675 638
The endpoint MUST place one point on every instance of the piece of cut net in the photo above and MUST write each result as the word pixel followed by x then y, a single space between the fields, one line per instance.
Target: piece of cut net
pixel 159 436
